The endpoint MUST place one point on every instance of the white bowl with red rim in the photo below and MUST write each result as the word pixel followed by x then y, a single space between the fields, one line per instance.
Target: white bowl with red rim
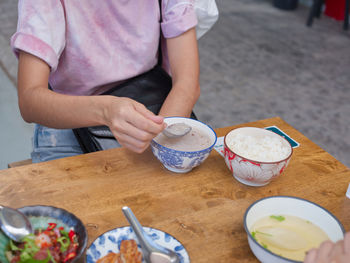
pixel 254 171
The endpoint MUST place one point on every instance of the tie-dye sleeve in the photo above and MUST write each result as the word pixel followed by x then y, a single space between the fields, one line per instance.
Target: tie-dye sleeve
pixel 178 17
pixel 40 30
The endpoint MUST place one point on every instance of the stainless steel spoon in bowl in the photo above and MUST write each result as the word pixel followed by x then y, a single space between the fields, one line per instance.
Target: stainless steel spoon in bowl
pixel 14 224
pixel 152 253
pixel 176 130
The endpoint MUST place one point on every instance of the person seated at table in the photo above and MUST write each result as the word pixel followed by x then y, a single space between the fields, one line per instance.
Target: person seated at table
pixel 330 252
pixel 82 48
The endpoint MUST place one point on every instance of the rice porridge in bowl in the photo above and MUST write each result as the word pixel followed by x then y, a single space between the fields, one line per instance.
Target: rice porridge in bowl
pixel 255 156
pixel 195 140
pixel 182 154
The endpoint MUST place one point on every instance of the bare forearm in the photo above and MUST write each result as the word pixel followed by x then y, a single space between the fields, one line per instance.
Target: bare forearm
pixel 180 101
pixel 40 105
pixel 184 64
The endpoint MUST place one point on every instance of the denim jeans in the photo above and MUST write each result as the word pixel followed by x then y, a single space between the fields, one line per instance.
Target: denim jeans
pixel 50 144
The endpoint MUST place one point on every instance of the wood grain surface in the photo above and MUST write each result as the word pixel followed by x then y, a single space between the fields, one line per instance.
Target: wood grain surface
pixel 203 209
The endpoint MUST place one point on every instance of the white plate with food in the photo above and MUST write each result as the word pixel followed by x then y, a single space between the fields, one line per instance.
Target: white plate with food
pixel 110 242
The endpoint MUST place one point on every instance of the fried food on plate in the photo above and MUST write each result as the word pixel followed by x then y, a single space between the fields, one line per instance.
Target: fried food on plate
pixel 129 253
pixel 110 258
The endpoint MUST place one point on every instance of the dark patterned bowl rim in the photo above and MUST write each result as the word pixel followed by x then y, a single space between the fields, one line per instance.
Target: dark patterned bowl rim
pixel 84 238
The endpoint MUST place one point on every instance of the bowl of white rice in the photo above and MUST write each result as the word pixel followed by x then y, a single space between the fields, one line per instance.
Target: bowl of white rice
pixel 256 156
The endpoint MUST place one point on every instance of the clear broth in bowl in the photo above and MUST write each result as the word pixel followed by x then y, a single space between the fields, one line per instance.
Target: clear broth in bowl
pixel 288 236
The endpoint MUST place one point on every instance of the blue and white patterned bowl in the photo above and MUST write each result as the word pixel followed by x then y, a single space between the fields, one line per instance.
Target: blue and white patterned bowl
pixel 110 242
pixel 183 161
pixel 39 216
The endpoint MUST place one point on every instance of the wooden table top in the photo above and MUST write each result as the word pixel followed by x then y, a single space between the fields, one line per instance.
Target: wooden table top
pixel 203 209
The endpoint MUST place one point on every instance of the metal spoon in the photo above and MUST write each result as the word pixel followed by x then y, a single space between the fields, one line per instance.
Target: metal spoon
pixel 176 130
pixel 14 224
pixel 151 251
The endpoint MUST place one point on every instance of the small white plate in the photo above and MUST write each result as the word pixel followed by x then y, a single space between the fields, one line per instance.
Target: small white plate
pixel 110 242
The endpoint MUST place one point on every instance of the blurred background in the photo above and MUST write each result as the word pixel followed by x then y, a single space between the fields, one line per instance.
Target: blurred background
pixel 258 61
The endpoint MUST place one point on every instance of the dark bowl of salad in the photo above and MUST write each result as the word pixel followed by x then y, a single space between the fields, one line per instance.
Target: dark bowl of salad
pixel 59 237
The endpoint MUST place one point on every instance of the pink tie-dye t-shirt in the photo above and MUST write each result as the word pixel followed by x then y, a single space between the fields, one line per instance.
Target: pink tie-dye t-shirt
pixel 92 43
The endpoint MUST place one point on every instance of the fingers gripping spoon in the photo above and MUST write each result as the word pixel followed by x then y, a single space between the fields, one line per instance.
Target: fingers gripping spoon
pixel 152 253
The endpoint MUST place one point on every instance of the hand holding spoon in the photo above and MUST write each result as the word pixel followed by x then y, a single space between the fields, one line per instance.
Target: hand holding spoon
pixel 152 253
pixel 14 224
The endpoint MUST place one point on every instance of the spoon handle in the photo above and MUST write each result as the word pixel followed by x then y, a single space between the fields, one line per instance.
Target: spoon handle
pixel 141 236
